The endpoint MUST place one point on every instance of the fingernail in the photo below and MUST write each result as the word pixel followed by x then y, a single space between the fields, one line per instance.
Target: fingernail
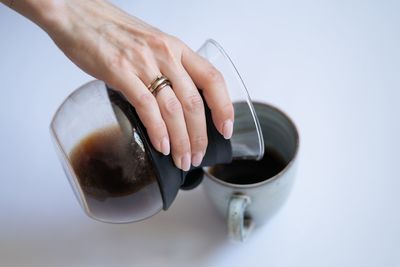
pixel 165 146
pixel 178 163
pixel 227 129
pixel 185 162
pixel 196 159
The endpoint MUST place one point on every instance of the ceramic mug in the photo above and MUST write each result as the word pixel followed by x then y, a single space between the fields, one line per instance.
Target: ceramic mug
pixel 245 205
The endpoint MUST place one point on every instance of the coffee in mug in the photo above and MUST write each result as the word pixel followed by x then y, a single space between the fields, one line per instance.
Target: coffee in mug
pixel 247 193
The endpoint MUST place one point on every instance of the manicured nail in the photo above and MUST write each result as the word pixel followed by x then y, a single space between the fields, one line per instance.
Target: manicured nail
pixel 185 162
pixel 165 146
pixel 227 129
pixel 177 162
pixel 196 159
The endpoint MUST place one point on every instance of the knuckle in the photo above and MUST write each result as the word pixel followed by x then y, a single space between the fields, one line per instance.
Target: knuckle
pixel 214 76
pixel 199 142
pixel 226 110
pixel 139 56
pixel 124 57
pixel 172 106
pixel 127 53
pixel 181 146
pixel 159 41
pixel 142 54
pixel 145 100
pixel 175 40
pixel 164 45
pixel 116 61
pixel 157 128
pixel 121 60
pixel 193 103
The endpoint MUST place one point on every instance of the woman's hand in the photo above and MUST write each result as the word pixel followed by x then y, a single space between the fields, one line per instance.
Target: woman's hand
pixel 129 54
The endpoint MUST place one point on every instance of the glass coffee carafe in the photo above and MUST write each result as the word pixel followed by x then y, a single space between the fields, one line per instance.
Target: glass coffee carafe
pixel 114 171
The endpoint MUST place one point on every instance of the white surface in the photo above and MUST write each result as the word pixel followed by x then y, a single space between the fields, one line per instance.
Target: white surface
pixel 334 66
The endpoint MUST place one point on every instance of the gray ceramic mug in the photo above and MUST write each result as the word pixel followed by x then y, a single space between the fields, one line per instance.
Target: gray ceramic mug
pixel 252 204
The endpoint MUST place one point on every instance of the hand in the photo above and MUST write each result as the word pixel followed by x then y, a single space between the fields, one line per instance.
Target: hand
pixel 128 54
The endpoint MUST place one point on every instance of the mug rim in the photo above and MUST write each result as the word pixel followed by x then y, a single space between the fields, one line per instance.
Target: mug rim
pixel 279 174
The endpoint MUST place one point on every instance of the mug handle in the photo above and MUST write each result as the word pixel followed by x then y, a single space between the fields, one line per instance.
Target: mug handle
pixel 239 225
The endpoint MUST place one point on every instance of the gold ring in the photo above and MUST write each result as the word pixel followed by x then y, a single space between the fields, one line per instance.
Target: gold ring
pixel 161 86
pixel 157 84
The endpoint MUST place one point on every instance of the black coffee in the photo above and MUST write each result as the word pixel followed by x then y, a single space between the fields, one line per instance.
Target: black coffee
pixel 107 164
pixel 115 175
pixel 250 171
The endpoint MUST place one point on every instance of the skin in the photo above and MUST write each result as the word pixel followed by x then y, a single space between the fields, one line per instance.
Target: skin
pixel 128 54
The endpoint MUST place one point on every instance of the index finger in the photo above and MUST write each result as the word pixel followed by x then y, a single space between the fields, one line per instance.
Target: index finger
pixel 147 108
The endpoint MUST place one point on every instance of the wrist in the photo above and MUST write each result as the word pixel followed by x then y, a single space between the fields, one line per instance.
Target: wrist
pixel 45 13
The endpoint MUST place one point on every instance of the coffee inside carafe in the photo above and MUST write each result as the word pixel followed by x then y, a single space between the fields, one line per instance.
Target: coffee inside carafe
pixel 115 173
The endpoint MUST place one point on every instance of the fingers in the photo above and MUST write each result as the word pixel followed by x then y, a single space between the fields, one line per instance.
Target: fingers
pixel 172 112
pixel 147 108
pixel 173 116
pixel 193 110
pixel 210 80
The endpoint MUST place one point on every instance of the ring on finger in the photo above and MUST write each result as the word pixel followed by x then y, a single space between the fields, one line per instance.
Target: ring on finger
pixel 158 83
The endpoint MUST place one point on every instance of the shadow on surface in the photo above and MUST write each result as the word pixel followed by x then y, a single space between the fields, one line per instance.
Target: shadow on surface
pixel 189 233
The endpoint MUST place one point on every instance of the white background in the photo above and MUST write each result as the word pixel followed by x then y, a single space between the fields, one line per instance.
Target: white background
pixel 333 66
